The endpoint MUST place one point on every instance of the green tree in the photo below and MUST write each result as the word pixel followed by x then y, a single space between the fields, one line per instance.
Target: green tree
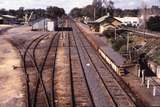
pixel 20 12
pixel 54 12
pixel 76 12
pixel 154 23
pixel 3 11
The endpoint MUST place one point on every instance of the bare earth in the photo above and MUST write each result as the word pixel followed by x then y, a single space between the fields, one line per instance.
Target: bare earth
pixel 11 85
pixel 11 80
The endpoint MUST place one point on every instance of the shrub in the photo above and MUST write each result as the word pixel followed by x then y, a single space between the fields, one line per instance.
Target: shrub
pixel 154 23
pixel 117 44
pixel 108 33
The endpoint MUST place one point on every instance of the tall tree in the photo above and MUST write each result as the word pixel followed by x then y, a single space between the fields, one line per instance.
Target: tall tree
pixel 109 6
pixel 20 12
pixel 98 8
pixel 54 12
pixel 3 11
pixel 154 23
pixel 76 12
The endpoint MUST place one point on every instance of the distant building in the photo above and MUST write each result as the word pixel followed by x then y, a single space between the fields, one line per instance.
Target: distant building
pixel 8 19
pixel 86 19
pixel 1 20
pixel 105 23
pixel 44 24
pixel 129 21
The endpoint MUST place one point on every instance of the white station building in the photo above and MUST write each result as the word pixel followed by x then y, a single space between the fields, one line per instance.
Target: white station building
pixel 129 21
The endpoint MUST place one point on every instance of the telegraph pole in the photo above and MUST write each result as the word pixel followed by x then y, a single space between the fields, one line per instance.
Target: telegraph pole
pixel 115 33
pixel 94 13
pixel 94 3
pixel 128 42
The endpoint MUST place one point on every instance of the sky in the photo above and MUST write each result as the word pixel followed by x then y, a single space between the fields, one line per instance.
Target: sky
pixel 68 4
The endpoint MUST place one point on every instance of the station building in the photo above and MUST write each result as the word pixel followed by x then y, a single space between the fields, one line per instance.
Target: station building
pixel 43 24
pixel 8 19
pixel 104 23
pixel 129 21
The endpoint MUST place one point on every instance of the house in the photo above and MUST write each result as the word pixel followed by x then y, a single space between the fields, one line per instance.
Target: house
pixel 1 20
pixel 105 23
pixel 129 21
pixel 94 26
pixel 8 19
pixel 44 24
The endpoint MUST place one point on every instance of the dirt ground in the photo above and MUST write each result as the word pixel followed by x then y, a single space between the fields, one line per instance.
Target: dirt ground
pixel 11 84
pixel 11 80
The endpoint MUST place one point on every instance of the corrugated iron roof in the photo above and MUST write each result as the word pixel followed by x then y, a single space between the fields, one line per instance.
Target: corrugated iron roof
pixel 102 19
pixel 9 16
pixel 115 56
pixel 1 18
pixel 106 17
pixel 40 19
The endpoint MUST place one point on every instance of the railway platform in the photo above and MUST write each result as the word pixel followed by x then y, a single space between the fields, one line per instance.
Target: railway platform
pixel 143 94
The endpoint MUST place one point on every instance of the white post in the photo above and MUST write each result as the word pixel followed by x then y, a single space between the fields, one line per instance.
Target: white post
pixel 128 43
pixel 94 13
pixel 115 34
pixel 88 65
pixel 154 91
pixel 148 83
pixel 143 77
pixel 139 73
pixel 158 71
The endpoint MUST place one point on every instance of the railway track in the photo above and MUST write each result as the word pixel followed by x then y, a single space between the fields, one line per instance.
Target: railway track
pixel 34 100
pixel 23 52
pixel 119 97
pixel 78 76
pixel 64 70
pixel 36 92
pixel 40 70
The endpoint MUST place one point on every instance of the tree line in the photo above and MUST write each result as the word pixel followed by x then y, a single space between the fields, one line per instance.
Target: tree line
pixel 49 12
pixel 98 9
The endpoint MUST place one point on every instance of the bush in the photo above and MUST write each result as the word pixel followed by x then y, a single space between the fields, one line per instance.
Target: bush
pixel 108 33
pixel 123 49
pixel 117 44
pixel 154 23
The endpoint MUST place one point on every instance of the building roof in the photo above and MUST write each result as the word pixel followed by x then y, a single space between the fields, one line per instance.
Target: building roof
pixel 123 19
pixel 92 22
pixel 40 19
pixel 1 18
pixel 102 19
pixel 8 16
pixel 114 56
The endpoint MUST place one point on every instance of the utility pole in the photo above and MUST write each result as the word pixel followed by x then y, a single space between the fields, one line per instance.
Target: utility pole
pixel 128 42
pixel 115 33
pixel 144 14
pixel 94 3
pixel 128 50
pixel 94 13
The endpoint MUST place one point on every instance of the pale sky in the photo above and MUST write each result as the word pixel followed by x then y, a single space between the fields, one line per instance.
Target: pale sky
pixel 68 4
